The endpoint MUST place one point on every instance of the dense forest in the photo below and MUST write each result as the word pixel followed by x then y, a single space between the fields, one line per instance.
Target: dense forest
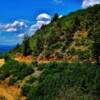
pixel 75 39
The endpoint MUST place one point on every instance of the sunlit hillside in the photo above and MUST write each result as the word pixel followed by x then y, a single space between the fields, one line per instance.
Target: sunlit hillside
pixel 61 61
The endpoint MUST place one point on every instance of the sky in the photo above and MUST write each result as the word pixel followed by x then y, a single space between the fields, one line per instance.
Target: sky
pixel 18 17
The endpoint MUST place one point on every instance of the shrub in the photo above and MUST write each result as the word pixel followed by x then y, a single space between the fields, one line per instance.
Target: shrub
pixel 72 81
pixel 15 69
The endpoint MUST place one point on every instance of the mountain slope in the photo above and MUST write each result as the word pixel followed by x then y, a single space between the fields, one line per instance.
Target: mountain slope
pixel 74 38
pixel 70 37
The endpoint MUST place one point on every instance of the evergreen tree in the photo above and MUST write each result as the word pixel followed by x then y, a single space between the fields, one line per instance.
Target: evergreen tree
pixel 26 45
pixel 76 24
pixel 56 16
pixel 96 46
pixel 39 45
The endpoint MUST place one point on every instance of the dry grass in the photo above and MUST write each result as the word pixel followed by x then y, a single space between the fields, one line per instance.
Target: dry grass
pixel 28 59
pixel 2 61
pixel 4 92
pixel 10 92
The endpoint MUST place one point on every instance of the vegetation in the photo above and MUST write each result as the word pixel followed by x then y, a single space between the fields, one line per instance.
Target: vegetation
pixel 58 81
pixel 15 70
pixel 95 35
pixel 26 47
pixel 75 39
pixel 2 98
pixel 78 29
pixel 63 81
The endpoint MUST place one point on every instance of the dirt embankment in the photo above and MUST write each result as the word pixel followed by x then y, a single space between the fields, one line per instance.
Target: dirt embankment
pixel 2 61
pixel 10 92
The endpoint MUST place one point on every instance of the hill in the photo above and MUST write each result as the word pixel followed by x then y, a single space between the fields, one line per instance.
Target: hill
pixel 71 47
pixel 70 37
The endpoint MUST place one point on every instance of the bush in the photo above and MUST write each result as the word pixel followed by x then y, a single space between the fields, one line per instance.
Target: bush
pixel 15 69
pixel 25 89
pixel 70 81
pixel 7 57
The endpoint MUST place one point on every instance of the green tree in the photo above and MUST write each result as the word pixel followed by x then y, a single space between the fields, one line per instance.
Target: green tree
pixel 76 24
pixel 39 45
pixel 95 35
pixel 56 16
pixel 26 45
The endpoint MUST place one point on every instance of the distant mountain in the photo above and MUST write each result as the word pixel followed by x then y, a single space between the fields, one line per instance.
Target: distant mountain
pixel 5 48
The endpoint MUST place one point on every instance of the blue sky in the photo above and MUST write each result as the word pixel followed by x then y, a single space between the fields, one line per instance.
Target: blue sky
pixel 29 9
pixel 18 17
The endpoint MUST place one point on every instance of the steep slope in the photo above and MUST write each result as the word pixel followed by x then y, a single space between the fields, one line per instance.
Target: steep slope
pixel 70 37
pixel 74 38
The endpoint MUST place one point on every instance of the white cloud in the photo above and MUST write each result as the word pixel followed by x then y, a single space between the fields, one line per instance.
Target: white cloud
pixel 21 35
pixel 18 28
pixel 60 16
pixel 87 3
pixel 13 27
pixel 18 23
pixel 42 19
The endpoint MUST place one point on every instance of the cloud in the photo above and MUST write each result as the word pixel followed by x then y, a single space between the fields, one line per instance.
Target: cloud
pixel 11 30
pixel 13 27
pixel 21 35
pixel 87 3
pixel 42 19
pixel 12 33
pixel 60 16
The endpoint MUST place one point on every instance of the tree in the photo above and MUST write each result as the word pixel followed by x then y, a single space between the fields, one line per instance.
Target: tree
pixel 7 57
pixel 39 45
pixel 76 24
pixel 56 16
pixel 96 45
pixel 26 45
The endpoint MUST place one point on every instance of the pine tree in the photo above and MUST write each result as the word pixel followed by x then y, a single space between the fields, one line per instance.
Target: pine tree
pixel 26 45
pixel 96 46
pixel 56 16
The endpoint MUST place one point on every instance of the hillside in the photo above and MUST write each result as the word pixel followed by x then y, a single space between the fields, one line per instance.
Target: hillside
pixel 60 62
pixel 71 37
